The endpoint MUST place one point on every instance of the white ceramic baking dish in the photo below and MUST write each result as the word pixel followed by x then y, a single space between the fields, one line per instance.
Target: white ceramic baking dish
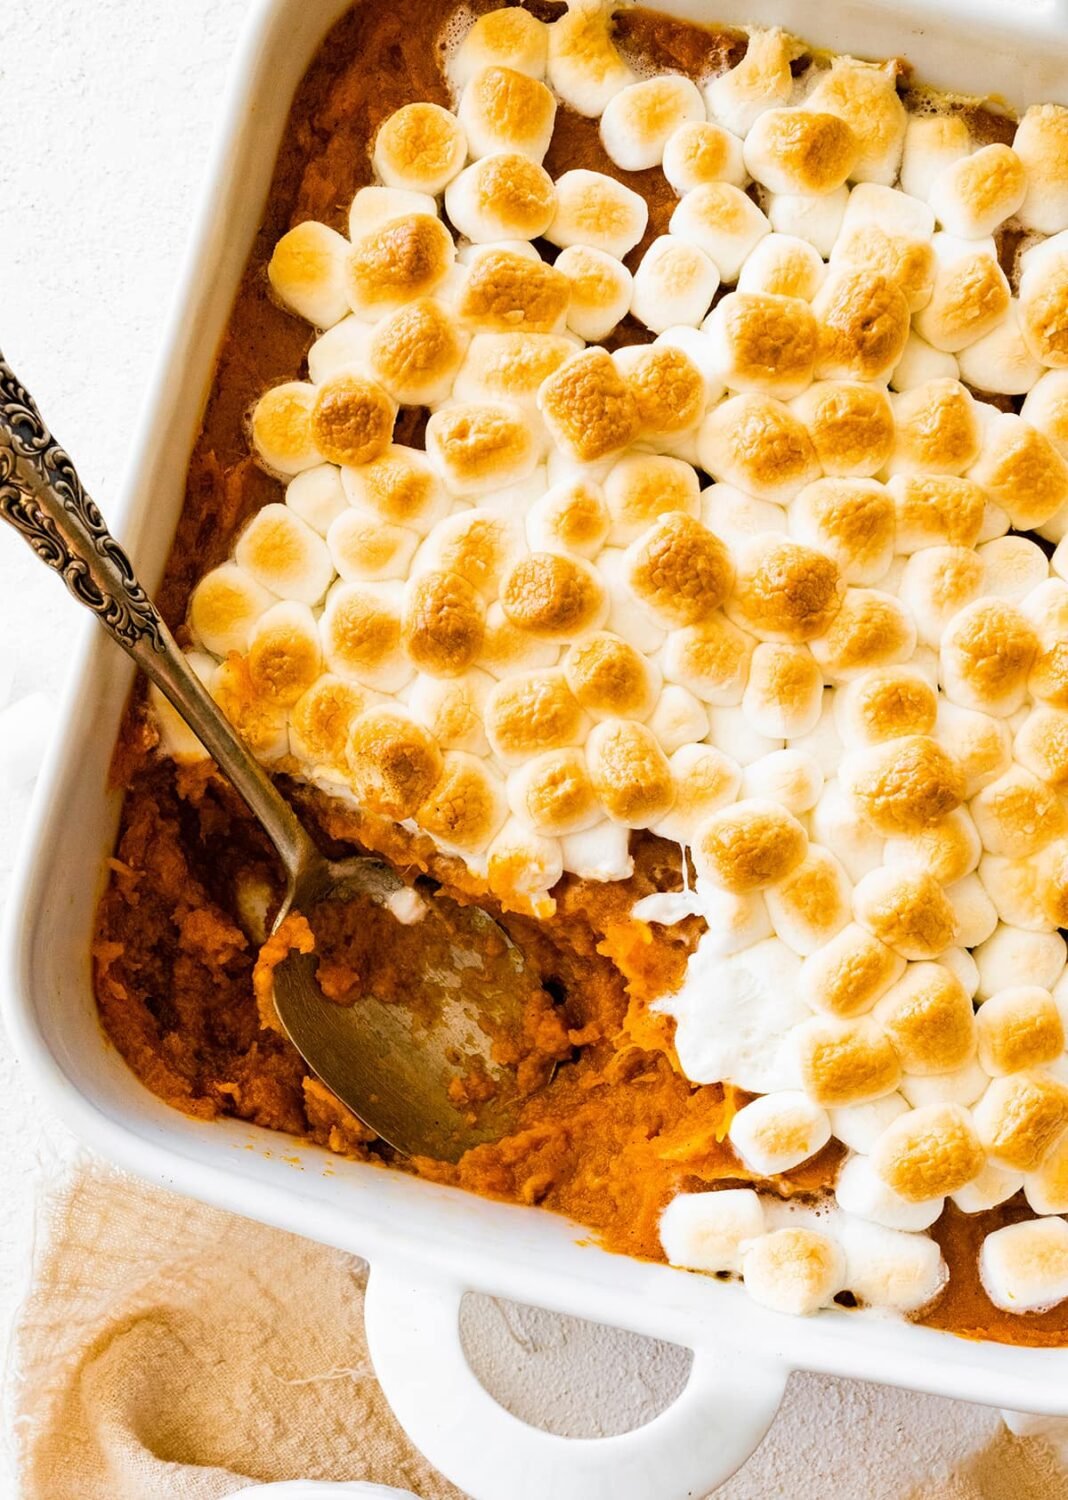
pixel 427 1245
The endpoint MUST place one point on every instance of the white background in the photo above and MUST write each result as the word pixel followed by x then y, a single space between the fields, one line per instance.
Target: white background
pixel 106 110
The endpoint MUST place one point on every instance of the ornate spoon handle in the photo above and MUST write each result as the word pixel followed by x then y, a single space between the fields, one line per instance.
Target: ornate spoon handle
pixel 42 497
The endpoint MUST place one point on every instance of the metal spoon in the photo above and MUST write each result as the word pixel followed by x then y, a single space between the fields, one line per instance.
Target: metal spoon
pixel 401 1067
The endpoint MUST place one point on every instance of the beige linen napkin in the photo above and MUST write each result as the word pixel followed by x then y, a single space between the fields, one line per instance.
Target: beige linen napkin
pixel 168 1351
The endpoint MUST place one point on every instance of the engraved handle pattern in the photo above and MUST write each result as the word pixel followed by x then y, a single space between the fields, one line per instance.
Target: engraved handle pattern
pixel 43 499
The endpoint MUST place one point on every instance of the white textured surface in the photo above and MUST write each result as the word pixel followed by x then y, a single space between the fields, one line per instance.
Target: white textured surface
pixel 106 111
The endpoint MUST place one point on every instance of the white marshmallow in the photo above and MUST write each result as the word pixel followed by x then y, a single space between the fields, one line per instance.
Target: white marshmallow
pixel 1000 361
pixel 859 1126
pixel 1024 1267
pixel 638 121
pixel 419 148
pixel 921 363
pixel 317 496
pixel 936 583
pixel 595 210
pixel 886 1268
pixel 836 826
pixel 932 143
pixel 601 290
pixel 735 923
pixel 699 152
pixel 731 730
pixel 346 346
pixel 975 913
pixel 1041 143
pixel 626 617
pixel 784 266
pixel 733 514
pixel 284 555
pixel 1011 956
pixel 815 219
pixel 779 1131
pixel 374 206
pixel 994 1185
pixel 224 607
pixel 960 963
pixel 585 67
pixel 706 1231
pixel 1012 567
pixel 963 1086
pixel 738 97
pixel 678 718
pixel 599 853
pixel 794 1271
pixel 720 220
pixel 21 753
pixel 674 284
pixel 307 273
pixel 789 777
pixel 861 1191
pixel 1046 1189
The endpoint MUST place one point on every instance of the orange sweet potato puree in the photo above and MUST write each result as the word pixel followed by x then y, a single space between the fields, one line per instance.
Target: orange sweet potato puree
pixel 618 1131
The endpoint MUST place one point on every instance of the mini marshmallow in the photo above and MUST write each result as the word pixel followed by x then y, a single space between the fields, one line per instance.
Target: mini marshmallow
pixel 836 826
pixel 846 976
pixel 861 1191
pixel 678 719
pixel 415 353
pixel 466 806
pixel 817 220
pixel 1020 1118
pixel 886 1268
pixel 225 606
pixel 938 430
pixel 779 1131
pixel 630 772
pixel 373 207
pixel 638 122
pixel 552 793
pixel 735 924
pixel 641 488
pixel 757 444
pixel 278 551
pixel 453 709
pixel 859 1126
pixel 585 67
pixel 1011 956
pixel 782 265
pixel 503 109
pixel 420 148
pixel 610 679
pixel 749 846
pixel 627 617
pixel 698 152
pixel 928 1017
pixel 889 703
pixel 670 389
pixel 588 407
pixel 970 297
pixel 1046 408
pixel 1019 890
pixel 936 585
pixel 261 724
pixel 811 905
pixel 1001 361
pixel 597 211
pixel 789 777
pixel 723 222
pixel 28 724
pixel 1046 1189
pixel 732 514
pixel 502 196
pixel 711 660
pixel 973 195
pixel 307 273
pixel 345 346
pixel 507 37
pixel 570 517
pixel 903 785
pixel 399 487
pixel 800 151
pixel 732 732
pixel 845 1061
pixel 851 520
pixel 865 325
pixel 889 231
pixel 933 510
pixel 784 694
pixel 364 546
pixel 1024 1267
pixel 679 570
pixel 929 1152
pixel 994 1185
pixel 506 292
pixel 1041 143
pixel 599 853
pixel 1044 300
pixel 871 629
pixel 963 1086
pixel 864 95
pixel 932 143
pixel 705 779
pixel 987 652
pixel 921 363
pixel 1012 567
pixel 522 866
pixel 1021 470
pixel 763 343
pixel 282 431
pixel 1018 1028
pixel 908 911
pixel 738 97
pixel 1018 814
pixel 674 284
pixel 409 255
pixel 793 1271
pixel 851 425
pixel 317 497
pixel 706 1231
pixel 601 290
pixel 360 630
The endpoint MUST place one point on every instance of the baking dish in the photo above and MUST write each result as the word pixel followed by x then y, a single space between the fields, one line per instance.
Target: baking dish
pixel 428 1244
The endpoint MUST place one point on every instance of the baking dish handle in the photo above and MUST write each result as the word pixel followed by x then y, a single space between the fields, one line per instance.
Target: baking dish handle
pixel 413 1334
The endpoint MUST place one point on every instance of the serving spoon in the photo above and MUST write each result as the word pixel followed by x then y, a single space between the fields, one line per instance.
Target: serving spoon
pixel 404 1067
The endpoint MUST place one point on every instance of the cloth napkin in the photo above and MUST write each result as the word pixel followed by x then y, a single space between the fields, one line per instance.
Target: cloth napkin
pixel 167 1351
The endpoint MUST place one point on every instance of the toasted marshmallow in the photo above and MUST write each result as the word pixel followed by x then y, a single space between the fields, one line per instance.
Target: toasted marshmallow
pixel 737 924
pixel 321 720
pixel 399 487
pixel 763 343
pixel 859 1126
pixel 375 206
pixel 1021 470
pixel 522 866
pixel 1024 1267
pixel 501 197
pixel 782 265
pixel 723 222
pixel 835 824
pixel 638 122
pixel 948 850
pixel 904 785
pixel 1018 814
pixel 415 352
pixel 669 387
pixel 974 194
pixel 698 152
pixel 784 694
pixel 601 290
pixel 610 678
pixel 1041 144
pixel 554 597
pixel 988 649
pixel 279 552
pixel 420 147
pixel 992 1186
pixel 571 517
pixel 1048 682
pixel 478 447
pixel 282 430
pixel 793 1271
pixel 921 363
pixel 453 709
pixel 852 521
pixel 528 714
pixel 791 778
pixel 630 772
pixel 1020 1118
pixel 975 913
pixel 553 795
pixel 929 1152
pixel 259 722
pixel 345 346
pixel 352 419
pixel 1001 361
pixel 738 97
pixel 442 623
pixel 588 407
pixel 1046 1189
pixel 871 629
pixel 817 220
pixel 366 547
pixel 851 425
pixel 779 1131
pixel 711 660
pixel 1044 302
pixel 307 273
pixel 846 976
pixel 505 292
pixel 511 38
pixel 393 762
pixel 749 846
pixel 811 905
pixel 1046 407
pixel 705 780
pixel 1019 1028
pixel 360 630
pixel 1012 567
pixel 228 601
pixel 864 324
pixel 756 443
pixel 932 143
pixel 1011 956
pixel 678 719
pixel 466 806
pixel 627 616
pixel 884 704
pixel 732 514
pixel 1025 892
pixel 596 211
pixel 970 297
pixel 928 1017
pixel 1041 745
pixel 641 488
pixel 706 1231
pixel 673 285
pixel 679 570
pixel 861 1191
pixel 933 510
pixel 585 67
pixel 936 585
pixel 845 1062
pixel 908 911
pixel 800 151
pixel 407 256
pixel 863 94
pixel 888 1268
pixel 504 109
pixel 889 231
